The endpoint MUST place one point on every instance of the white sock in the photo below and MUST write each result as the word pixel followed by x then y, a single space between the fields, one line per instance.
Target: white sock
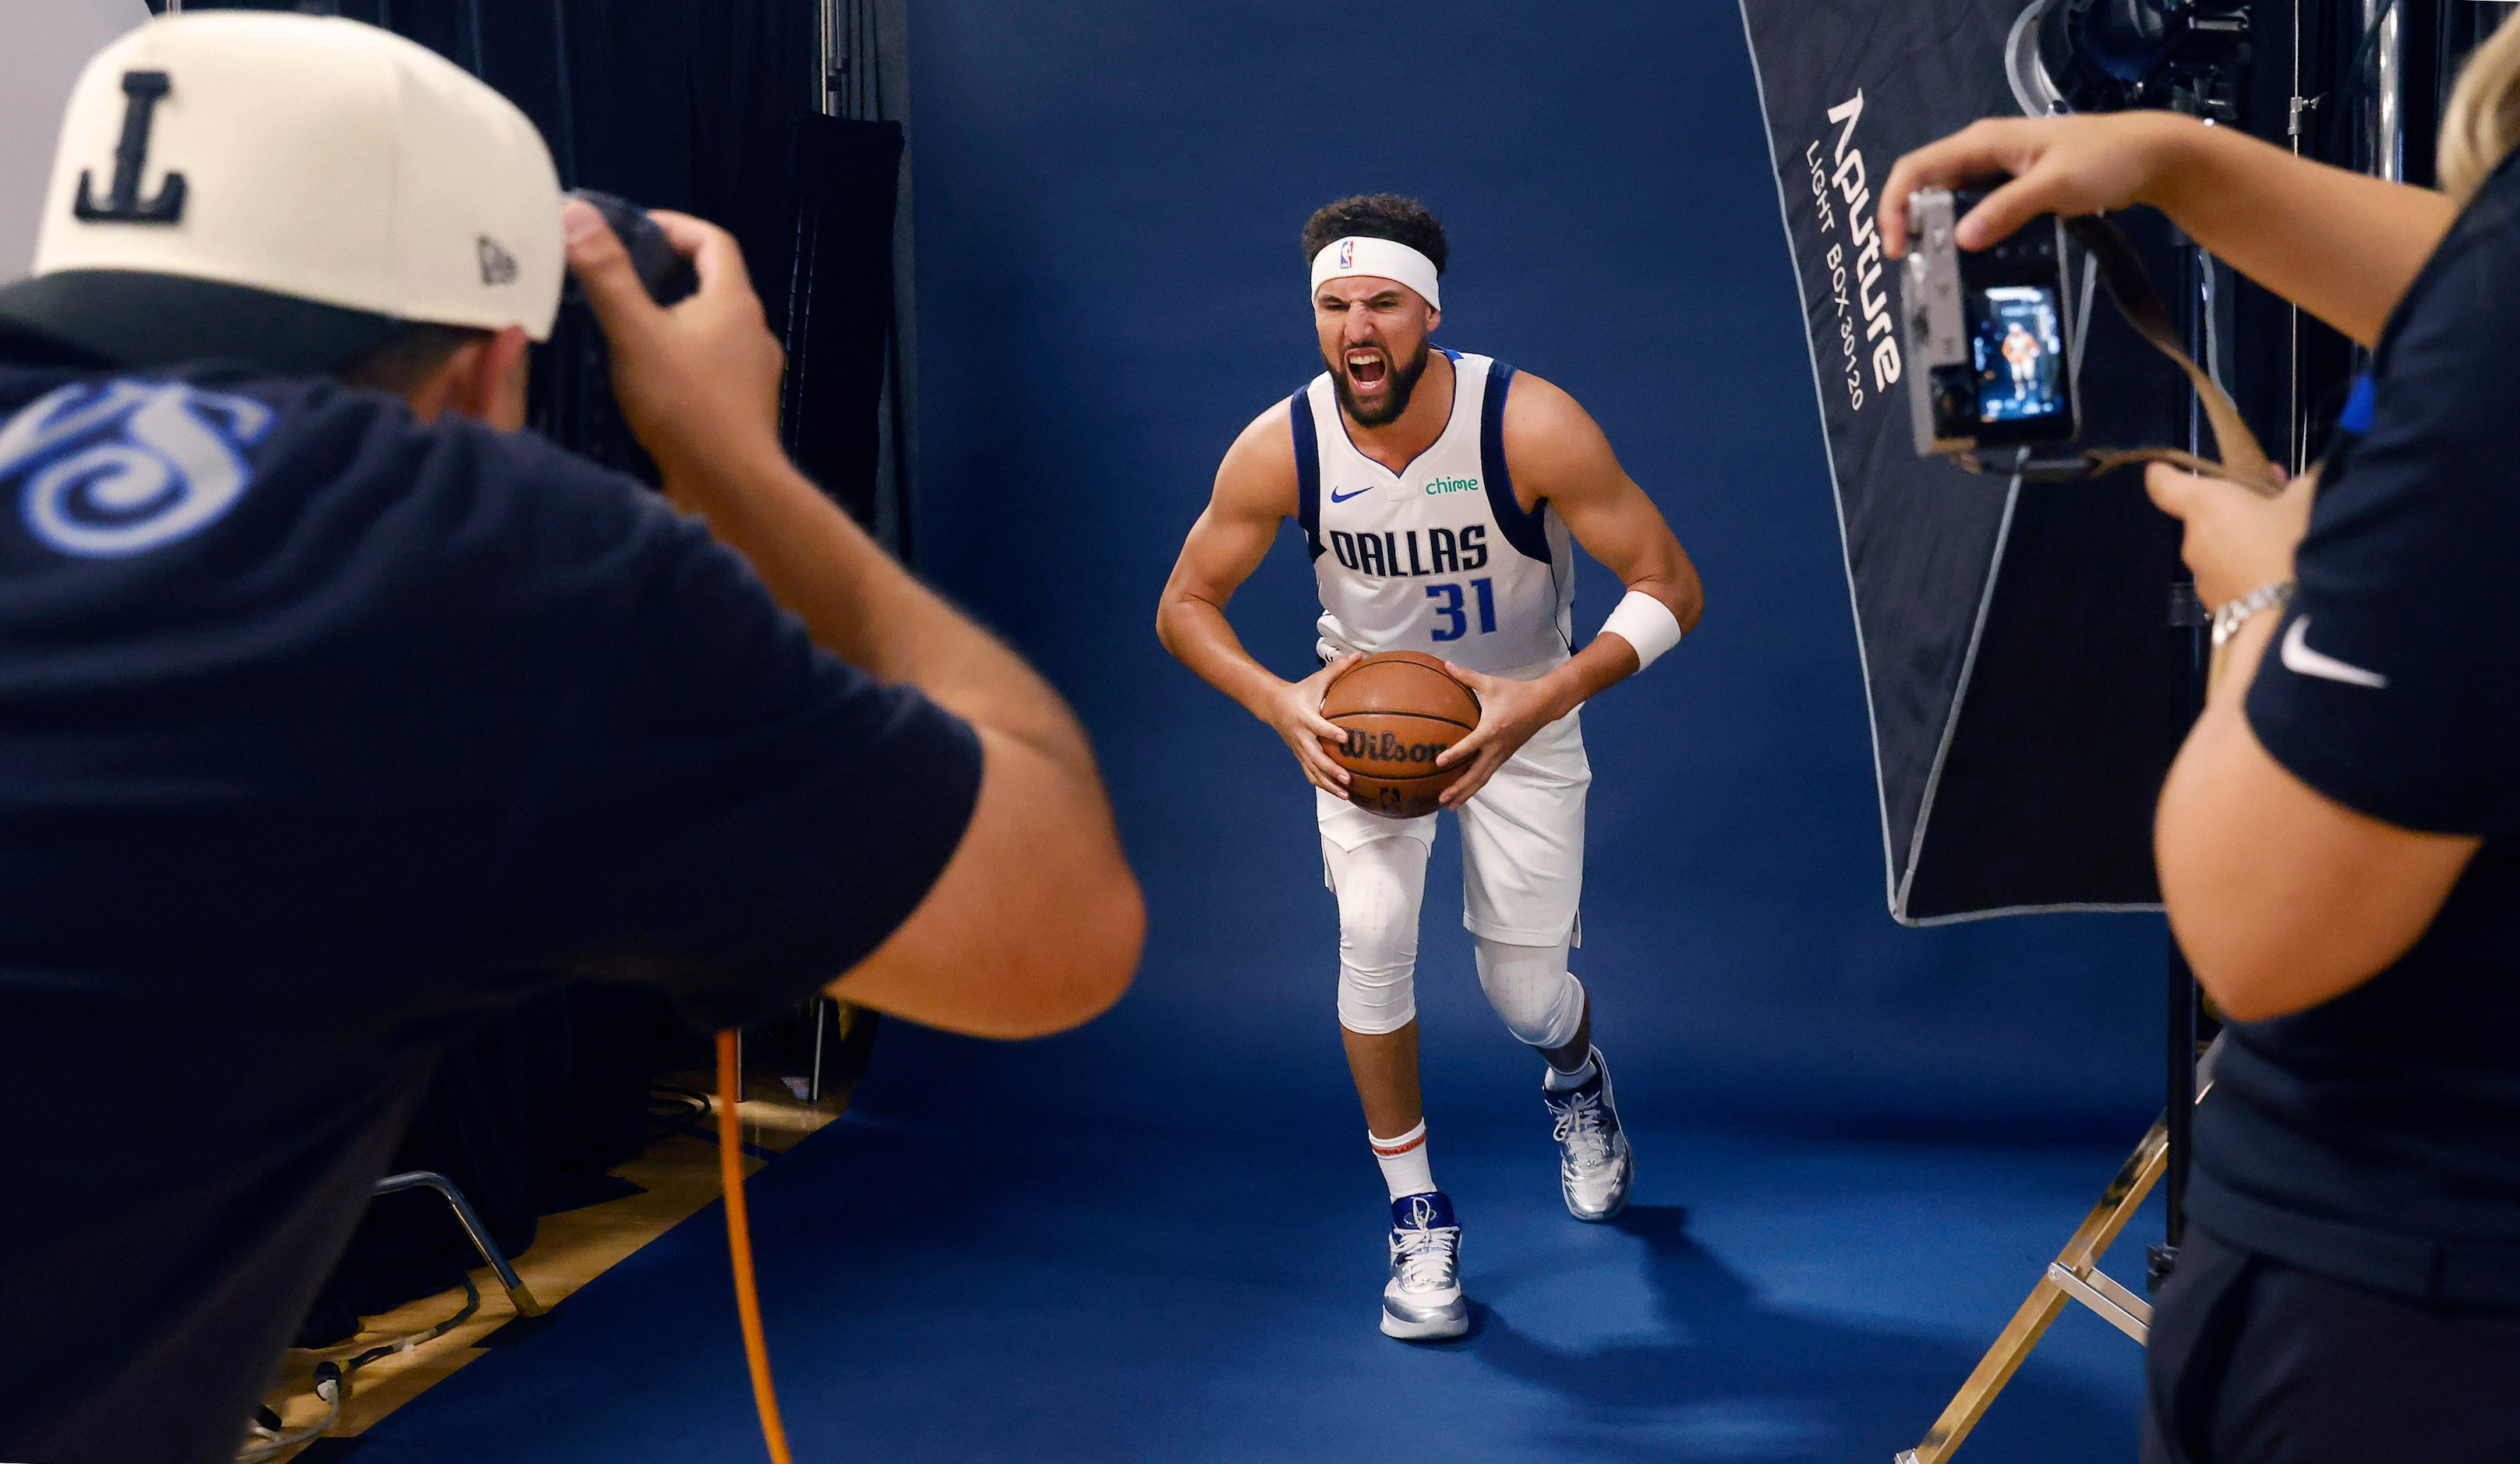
pixel 1567 1083
pixel 1406 1170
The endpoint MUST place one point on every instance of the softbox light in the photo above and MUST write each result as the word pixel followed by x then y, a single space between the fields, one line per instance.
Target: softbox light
pixel 2026 682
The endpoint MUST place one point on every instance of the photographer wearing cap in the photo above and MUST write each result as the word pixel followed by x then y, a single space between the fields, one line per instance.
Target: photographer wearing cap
pixel 331 720
pixel 2339 839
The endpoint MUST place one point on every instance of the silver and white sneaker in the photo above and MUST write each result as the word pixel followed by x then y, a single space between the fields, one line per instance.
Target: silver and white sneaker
pixel 1595 1165
pixel 1422 1301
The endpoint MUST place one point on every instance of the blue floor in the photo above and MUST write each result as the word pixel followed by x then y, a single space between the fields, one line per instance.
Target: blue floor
pixel 1003 1291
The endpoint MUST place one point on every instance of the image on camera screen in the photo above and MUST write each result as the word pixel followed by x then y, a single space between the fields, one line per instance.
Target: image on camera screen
pixel 2020 354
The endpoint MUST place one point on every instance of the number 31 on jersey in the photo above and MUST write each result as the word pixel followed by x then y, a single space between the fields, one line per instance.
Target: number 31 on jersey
pixel 1456 620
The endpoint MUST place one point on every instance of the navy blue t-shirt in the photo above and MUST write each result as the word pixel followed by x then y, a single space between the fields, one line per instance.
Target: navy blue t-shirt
pixel 324 732
pixel 2376 1138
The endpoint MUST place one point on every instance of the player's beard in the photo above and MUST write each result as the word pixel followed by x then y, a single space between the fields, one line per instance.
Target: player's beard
pixel 1404 380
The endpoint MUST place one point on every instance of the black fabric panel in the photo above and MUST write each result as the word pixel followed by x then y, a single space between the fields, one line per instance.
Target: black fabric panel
pixel 687 107
pixel 838 302
pixel 2072 714
pixel 2080 693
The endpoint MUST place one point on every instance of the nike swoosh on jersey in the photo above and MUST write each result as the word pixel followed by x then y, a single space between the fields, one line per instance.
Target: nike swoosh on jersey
pixel 2300 658
pixel 1338 497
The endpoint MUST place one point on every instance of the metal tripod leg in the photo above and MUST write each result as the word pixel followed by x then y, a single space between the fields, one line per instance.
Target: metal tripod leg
pixel 518 1297
pixel 2073 1275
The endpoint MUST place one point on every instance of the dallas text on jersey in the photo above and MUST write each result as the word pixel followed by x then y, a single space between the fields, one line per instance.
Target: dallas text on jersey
pixel 1448 551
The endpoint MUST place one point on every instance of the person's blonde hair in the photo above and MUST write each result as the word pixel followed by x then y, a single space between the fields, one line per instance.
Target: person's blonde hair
pixel 2483 118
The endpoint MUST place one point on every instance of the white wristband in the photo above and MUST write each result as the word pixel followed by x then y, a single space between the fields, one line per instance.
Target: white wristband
pixel 1646 623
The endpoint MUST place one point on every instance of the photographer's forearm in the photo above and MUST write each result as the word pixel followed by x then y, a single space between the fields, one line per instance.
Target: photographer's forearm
pixel 2340 245
pixel 866 608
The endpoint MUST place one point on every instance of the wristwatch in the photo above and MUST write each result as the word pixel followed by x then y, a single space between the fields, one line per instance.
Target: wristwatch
pixel 2236 613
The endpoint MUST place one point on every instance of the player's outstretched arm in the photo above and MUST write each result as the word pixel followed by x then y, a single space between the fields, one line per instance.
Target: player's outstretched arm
pixel 1036 923
pixel 1556 452
pixel 1255 488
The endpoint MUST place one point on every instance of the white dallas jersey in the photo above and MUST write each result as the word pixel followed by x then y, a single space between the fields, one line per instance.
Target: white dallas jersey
pixel 1439 558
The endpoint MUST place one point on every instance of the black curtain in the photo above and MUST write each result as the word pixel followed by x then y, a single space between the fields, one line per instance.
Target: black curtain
pixel 526 1114
pixel 708 109
pixel 839 323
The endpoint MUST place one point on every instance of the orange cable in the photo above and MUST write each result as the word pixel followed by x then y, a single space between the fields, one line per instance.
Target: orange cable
pixel 738 1240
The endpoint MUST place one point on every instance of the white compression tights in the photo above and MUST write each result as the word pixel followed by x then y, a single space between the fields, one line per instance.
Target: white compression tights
pixel 1380 885
pixel 1529 985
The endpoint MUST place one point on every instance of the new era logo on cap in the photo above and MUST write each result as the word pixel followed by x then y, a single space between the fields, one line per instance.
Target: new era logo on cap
pixel 497 266
pixel 316 159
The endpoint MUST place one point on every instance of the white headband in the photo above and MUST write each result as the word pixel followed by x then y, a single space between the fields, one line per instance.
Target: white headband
pixel 1382 258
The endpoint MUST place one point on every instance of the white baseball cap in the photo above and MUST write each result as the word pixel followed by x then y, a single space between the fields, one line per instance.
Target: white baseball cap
pixel 287 190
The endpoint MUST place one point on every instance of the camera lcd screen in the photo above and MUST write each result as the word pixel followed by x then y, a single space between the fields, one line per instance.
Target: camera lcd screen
pixel 2019 353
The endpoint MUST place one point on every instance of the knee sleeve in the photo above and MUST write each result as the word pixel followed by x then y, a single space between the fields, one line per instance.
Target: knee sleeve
pixel 1379 886
pixel 1529 985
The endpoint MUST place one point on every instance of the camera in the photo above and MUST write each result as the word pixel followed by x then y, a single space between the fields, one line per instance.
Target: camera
pixel 570 386
pixel 661 267
pixel 1989 360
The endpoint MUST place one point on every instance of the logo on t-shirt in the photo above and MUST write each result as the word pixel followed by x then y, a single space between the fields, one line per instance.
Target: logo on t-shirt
pixel 2300 659
pixel 119 467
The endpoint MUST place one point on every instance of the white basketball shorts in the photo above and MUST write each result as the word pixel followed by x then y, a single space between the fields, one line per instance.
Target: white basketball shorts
pixel 1523 838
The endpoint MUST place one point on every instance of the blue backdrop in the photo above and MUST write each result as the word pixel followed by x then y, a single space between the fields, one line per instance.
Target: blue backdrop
pixel 1109 197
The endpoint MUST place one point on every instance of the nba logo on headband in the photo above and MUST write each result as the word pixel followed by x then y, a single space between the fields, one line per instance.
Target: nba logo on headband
pixel 1382 258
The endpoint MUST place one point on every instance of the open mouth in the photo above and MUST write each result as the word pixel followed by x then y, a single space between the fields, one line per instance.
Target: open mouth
pixel 1367 369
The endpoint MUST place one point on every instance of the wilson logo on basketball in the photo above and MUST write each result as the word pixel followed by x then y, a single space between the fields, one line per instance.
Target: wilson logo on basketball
pixel 1386 747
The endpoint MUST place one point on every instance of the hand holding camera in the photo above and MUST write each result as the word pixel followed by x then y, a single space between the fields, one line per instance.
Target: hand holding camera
pixel 2064 165
pixel 697 379
pixel 1989 358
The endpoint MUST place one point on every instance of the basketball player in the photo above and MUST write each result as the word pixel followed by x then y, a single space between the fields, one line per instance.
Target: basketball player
pixel 1438 493
pixel 2021 348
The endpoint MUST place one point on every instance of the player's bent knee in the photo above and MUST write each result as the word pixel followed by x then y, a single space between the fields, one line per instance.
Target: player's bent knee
pixel 1529 985
pixel 1377 982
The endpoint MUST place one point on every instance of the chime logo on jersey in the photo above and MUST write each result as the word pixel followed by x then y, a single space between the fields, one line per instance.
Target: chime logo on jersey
pixel 1453 486
pixel 1395 552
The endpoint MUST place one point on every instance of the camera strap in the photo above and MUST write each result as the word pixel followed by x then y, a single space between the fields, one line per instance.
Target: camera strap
pixel 2122 275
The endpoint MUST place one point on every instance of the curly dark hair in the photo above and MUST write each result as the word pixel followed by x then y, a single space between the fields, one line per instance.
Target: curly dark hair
pixel 1377 216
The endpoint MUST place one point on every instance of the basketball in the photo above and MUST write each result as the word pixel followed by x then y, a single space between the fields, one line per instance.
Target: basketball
pixel 1401 710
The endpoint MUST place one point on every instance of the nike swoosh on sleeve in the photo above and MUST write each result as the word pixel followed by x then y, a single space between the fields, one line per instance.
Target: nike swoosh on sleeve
pixel 2301 660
